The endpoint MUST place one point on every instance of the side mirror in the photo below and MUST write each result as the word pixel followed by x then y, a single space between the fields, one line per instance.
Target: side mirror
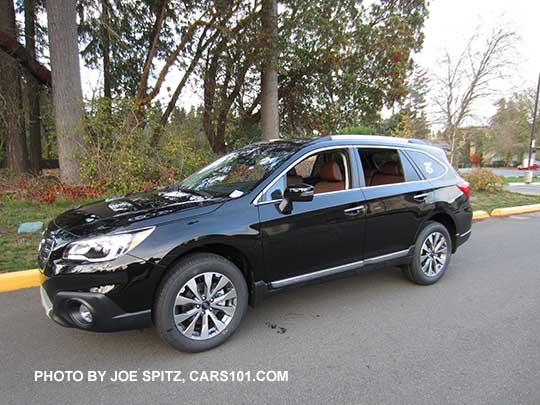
pixel 299 192
pixel 296 192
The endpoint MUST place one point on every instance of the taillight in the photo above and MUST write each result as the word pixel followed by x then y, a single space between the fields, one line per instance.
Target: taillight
pixel 465 188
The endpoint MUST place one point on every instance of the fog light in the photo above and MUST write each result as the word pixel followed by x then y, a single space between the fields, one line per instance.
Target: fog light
pixel 85 313
pixel 103 289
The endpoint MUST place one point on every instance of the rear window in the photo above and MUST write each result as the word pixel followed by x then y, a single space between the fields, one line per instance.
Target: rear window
pixel 428 166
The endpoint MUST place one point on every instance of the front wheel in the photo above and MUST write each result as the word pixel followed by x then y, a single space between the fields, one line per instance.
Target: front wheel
pixel 200 303
pixel 432 253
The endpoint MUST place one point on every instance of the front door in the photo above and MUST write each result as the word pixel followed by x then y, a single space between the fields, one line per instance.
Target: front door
pixel 320 234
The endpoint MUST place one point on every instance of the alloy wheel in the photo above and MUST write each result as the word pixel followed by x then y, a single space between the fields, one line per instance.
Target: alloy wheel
pixel 204 306
pixel 433 254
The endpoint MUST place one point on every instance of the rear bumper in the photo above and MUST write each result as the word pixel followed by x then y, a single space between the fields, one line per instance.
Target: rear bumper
pixel 107 316
pixel 462 238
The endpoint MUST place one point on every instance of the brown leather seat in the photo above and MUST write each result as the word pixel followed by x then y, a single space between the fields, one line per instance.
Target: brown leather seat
pixel 331 178
pixel 390 173
pixel 293 177
pixel 368 175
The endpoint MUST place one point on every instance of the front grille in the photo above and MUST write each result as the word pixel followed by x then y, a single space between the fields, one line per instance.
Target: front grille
pixel 45 249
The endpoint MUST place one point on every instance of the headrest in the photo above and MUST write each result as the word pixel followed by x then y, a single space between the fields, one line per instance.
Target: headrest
pixel 330 171
pixel 391 169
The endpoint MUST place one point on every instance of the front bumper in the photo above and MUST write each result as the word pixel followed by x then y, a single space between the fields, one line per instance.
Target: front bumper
pixel 107 316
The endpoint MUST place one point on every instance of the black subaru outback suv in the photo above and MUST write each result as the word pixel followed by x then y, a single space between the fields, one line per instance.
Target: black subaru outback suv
pixel 189 258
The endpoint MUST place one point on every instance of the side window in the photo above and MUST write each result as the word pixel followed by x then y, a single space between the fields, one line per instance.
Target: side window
pixel 305 167
pixel 429 167
pixel 326 171
pixel 276 191
pixel 411 174
pixel 385 166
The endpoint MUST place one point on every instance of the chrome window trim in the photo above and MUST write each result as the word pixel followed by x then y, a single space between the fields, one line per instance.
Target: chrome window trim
pixel 314 196
pixel 338 269
pixel 404 182
pixel 256 200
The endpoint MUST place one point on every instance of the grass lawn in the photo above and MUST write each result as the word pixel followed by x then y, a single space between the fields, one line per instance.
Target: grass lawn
pixel 19 251
pixel 489 201
pixel 518 179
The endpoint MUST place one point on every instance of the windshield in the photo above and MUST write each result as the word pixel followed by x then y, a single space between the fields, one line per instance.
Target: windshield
pixel 240 171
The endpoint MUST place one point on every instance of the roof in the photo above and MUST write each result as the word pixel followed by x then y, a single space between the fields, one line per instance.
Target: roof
pixel 374 140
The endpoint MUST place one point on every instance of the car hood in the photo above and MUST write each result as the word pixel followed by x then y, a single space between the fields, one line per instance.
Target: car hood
pixel 122 212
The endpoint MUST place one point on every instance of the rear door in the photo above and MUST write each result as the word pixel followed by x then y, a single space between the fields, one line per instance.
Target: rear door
pixel 397 199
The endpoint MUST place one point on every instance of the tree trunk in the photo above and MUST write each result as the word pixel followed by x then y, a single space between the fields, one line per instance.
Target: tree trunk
pixel 32 88
pixel 11 111
pixel 67 90
pixel 105 48
pixel 269 75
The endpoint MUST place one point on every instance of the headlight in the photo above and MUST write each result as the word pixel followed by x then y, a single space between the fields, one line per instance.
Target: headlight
pixel 104 248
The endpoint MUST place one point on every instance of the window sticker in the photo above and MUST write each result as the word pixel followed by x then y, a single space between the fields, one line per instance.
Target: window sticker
pixel 428 168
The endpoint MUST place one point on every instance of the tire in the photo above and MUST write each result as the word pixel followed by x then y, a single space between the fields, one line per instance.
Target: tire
pixel 440 259
pixel 180 313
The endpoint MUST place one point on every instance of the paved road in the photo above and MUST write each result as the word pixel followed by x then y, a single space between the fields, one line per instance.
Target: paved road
pixel 504 171
pixel 375 338
pixel 533 189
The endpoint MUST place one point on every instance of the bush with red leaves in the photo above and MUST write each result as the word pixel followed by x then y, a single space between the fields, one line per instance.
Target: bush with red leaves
pixel 47 189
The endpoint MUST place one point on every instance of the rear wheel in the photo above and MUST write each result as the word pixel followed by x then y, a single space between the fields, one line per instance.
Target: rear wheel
pixel 200 303
pixel 432 253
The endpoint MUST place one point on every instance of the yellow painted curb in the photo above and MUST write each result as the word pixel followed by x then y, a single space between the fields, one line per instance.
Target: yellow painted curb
pixel 21 279
pixel 479 215
pixel 501 212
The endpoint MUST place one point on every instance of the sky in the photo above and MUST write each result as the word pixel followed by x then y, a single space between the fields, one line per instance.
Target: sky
pixel 450 24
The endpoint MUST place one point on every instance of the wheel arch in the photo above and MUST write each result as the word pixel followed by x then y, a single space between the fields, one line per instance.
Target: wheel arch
pixel 232 253
pixel 449 223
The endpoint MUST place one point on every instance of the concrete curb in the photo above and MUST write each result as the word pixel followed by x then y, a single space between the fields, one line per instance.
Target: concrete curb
pixel 478 215
pixel 33 278
pixel 20 279
pixel 501 212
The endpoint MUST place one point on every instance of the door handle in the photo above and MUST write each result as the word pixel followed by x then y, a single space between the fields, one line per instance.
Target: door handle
pixel 354 210
pixel 421 197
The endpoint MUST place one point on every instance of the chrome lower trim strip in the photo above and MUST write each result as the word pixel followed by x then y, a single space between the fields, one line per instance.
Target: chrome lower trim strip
pixel 389 256
pixel 465 234
pixel 338 269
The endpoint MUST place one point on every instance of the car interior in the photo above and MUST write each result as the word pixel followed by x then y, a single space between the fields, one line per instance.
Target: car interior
pixel 381 166
pixel 327 172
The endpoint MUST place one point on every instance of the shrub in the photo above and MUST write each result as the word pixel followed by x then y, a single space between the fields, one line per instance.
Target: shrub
pixel 499 163
pixel 475 159
pixel 485 180
pixel 358 130
pixel 120 160
pixel 47 189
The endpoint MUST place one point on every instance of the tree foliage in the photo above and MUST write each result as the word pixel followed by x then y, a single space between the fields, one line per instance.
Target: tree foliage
pixel 510 126
pixel 343 61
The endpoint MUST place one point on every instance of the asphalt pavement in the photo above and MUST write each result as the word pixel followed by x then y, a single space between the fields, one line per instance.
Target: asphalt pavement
pixel 474 337
pixel 532 189
pixel 504 171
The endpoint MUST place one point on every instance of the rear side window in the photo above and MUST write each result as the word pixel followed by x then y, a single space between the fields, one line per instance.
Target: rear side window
pixel 385 166
pixel 429 167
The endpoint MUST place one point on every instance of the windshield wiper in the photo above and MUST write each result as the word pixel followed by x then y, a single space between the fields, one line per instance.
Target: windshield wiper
pixel 196 192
